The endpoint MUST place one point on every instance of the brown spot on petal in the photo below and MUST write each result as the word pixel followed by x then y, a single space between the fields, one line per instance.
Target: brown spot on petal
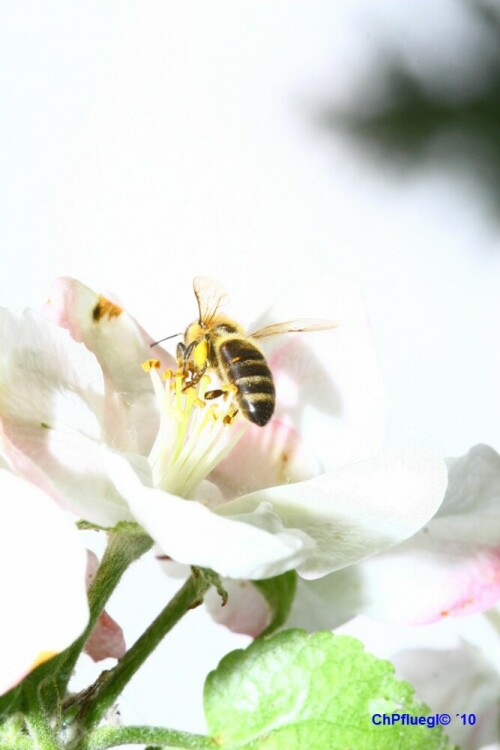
pixel 42 657
pixel 444 613
pixel 105 307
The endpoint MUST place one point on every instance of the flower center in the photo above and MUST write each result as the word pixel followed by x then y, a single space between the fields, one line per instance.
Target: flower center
pixel 198 428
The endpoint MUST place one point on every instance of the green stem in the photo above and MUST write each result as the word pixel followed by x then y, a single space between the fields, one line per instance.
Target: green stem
pixel 122 550
pixel 111 684
pixel 39 728
pixel 106 737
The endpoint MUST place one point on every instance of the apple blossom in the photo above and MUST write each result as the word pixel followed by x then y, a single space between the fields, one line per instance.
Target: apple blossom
pixel 451 567
pixel 44 601
pixel 209 492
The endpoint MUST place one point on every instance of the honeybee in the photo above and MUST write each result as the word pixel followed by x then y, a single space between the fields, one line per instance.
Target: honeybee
pixel 216 342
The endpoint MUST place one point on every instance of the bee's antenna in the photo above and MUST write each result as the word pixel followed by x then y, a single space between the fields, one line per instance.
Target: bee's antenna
pixel 166 337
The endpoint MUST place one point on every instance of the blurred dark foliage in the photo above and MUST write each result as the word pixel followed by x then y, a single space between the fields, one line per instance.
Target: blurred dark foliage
pixel 415 124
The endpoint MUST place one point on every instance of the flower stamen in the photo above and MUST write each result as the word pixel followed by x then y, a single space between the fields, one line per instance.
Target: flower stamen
pixel 198 428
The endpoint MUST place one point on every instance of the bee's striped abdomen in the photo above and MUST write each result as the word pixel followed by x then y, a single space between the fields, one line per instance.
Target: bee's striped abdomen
pixel 244 366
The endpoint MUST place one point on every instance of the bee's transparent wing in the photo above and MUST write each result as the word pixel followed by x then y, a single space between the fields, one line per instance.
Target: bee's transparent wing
pixel 210 297
pixel 301 325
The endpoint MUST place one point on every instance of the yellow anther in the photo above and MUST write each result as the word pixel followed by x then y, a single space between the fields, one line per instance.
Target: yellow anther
pixel 230 416
pixel 149 364
pixel 229 388
pixel 199 403
pixel 168 374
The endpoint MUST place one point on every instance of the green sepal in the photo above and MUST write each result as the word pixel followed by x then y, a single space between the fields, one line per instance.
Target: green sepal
pixel 13 734
pixel 9 702
pixel 204 576
pixel 128 527
pixel 295 691
pixel 279 593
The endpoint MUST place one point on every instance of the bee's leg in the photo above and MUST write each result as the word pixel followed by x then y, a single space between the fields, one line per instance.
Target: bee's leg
pixel 183 355
pixel 180 354
pixel 195 376
pixel 215 393
pixel 227 390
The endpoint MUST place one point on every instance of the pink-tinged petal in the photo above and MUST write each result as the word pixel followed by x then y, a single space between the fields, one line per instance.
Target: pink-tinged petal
pixel 120 346
pixel 250 546
pixel 328 384
pixel 450 568
pixel 52 407
pixel 459 551
pixel 427 579
pixel 72 464
pixel 43 581
pixel 246 610
pixel 357 510
pixel 106 640
pixel 13 458
pixel 265 458
pixel 455 682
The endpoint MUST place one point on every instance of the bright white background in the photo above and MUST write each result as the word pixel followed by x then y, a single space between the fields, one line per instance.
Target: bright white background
pixel 143 143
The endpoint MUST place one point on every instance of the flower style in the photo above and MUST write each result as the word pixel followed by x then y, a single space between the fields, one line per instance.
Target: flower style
pixel 43 586
pixel 308 492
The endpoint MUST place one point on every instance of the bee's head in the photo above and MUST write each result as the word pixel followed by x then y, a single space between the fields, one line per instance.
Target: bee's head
pixel 194 332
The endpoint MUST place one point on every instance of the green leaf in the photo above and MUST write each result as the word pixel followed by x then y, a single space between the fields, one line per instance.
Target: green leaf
pixel 279 593
pixel 319 691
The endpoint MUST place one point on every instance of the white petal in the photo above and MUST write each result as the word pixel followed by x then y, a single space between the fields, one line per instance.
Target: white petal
pixel 43 579
pixel 450 568
pixel 328 384
pixel 255 547
pixel 46 378
pixel 328 602
pixel 358 510
pixel 120 346
pixel 75 465
pixel 470 511
pixel 453 563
